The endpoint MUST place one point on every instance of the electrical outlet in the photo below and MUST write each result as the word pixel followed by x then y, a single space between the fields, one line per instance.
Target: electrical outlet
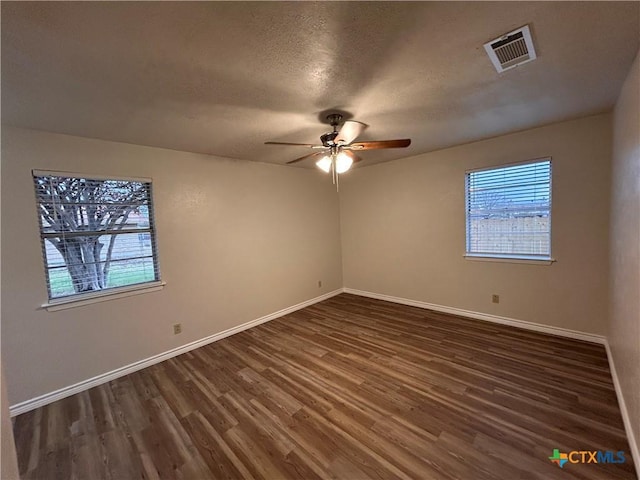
pixel 319 283
pixel 495 298
pixel 177 328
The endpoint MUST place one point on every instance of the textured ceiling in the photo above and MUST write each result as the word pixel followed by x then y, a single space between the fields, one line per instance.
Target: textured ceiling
pixel 224 77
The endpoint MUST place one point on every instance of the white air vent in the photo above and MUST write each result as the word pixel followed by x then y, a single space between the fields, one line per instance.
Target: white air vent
pixel 511 49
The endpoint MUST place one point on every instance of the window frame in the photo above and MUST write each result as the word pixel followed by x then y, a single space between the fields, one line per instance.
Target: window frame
pixel 507 257
pixel 93 296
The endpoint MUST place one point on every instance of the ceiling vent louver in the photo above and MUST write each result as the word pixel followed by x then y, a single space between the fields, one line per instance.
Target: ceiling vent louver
pixel 511 49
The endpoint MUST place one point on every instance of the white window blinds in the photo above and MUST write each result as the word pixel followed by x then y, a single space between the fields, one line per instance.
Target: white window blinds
pixel 509 211
pixel 96 234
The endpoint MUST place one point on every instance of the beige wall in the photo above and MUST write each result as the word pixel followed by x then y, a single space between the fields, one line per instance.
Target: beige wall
pixel 237 241
pixel 8 460
pixel 624 326
pixel 403 229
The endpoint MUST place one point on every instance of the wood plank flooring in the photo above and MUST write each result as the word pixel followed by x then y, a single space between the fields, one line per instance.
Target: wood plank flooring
pixel 350 388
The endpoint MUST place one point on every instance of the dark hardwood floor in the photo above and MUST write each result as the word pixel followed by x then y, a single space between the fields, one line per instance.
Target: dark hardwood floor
pixel 349 388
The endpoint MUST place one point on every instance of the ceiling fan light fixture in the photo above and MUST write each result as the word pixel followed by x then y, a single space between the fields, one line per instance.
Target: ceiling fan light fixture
pixel 324 164
pixel 343 162
pixel 336 146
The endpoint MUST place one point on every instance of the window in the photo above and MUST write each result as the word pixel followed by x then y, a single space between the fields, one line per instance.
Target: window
pixel 97 234
pixel 509 211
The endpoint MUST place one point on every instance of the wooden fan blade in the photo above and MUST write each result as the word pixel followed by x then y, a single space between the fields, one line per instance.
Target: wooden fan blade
pixel 294 144
pixel 349 132
pixel 377 144
pixel 305 157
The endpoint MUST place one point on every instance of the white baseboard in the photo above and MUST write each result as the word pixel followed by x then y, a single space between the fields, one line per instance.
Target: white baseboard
pixel 51 397
pixel 633 443
pixel 537 327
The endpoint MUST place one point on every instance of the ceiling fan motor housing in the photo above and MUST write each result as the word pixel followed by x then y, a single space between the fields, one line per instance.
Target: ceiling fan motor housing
pixel 328 139
pixel 334 120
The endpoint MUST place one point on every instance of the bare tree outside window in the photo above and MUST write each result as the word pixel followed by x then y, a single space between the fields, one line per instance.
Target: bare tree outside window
pixel 490 204
pixel 93 233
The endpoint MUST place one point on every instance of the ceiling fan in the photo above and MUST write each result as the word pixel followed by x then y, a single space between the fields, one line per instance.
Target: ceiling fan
pixel 337 147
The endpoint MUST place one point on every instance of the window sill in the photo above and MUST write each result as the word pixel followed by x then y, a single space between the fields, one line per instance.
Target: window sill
pixel 523 259
pixel 90 298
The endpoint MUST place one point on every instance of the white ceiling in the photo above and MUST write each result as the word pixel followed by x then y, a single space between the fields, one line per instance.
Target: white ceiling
pixel 224 77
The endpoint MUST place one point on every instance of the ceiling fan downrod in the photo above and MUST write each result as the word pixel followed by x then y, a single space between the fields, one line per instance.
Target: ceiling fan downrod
pixel 334 120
